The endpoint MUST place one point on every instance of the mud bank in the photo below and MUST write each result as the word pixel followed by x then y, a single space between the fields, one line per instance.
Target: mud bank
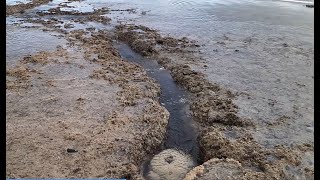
pixel 87 112
pixel 208 96
pixel 20 8
pixel 223 134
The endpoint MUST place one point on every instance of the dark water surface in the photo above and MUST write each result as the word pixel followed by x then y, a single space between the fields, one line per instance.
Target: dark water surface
pixel 181 132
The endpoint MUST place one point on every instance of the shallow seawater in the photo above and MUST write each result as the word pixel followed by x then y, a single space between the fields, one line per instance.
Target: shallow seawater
pixel 24 41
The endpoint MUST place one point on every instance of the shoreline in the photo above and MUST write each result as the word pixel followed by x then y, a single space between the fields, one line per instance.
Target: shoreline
pixel 211 105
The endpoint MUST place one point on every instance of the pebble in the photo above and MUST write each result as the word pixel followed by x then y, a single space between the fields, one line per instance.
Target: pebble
pixel 310 6
pixel 69 150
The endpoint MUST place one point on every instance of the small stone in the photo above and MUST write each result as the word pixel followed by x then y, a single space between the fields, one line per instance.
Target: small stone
pixel 310 6
pixel 160 41
pixel 68 26
pixel 169 159
pixel 76 170
pixel 237 50
pixel 69 150
pixel 310 129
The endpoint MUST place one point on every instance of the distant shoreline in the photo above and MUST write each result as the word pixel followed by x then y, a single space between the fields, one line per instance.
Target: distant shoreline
pixel 294 1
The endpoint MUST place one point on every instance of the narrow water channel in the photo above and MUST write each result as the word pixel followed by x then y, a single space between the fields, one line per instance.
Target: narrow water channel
pixel 181 130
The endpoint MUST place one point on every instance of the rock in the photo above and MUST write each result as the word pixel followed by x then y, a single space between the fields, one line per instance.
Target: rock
pixel 170 164
pixel 310 5
pixel 217 169
pixel 68 26
pixel 285 45
pixel 69 150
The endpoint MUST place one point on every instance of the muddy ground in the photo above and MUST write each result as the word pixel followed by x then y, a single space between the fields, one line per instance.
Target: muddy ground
pixel 82 111
pixel 87 112
pixel 20 8
pixel 223 134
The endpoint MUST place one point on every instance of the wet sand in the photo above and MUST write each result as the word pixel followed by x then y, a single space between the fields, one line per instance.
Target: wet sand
pixel 89 113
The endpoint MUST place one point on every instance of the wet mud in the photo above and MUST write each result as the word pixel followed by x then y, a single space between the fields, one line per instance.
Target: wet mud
pixel 90 113
pixel 209 97
pixel 20 8
pixel 223 133
pixel 87 112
